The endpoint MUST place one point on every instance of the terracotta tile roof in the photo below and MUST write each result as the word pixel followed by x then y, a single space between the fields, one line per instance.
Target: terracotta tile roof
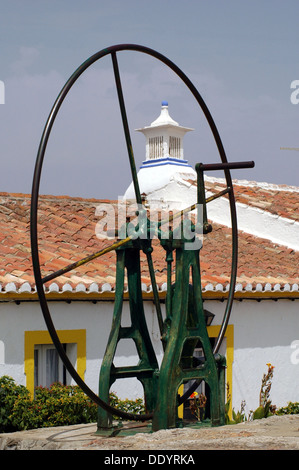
pixel 279 200
pixel 67 234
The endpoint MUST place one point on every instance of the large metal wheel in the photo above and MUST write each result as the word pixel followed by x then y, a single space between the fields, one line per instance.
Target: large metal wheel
pixel 40 281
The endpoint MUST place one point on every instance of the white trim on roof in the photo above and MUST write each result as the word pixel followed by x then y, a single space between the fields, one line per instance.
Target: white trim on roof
pixel 25 288
pixel 255 184
pixel 257 222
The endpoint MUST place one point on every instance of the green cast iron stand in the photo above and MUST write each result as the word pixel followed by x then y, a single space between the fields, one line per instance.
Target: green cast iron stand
pixel 146 371
pixel 183 328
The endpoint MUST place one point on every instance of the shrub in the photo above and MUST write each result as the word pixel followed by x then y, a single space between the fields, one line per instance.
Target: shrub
pixel 59 405
pixel 9 394
pixel 129 406
pixel 290 409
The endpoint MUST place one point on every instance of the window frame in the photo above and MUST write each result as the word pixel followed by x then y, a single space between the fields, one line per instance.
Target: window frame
pixel 34 338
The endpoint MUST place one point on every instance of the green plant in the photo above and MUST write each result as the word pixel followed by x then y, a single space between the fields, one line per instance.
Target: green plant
pixel 240 416
pixel 227 404
pixel 237 417
pixel 262 412
pixel 290 409
pixel 265 408
pixel 9 394
pixel 58 405
pixel 197 405
pixel 129 406
pixel 266 386
pixel 55 406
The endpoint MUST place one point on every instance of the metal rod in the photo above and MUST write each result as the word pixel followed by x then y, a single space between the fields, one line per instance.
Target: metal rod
pixel 85 260
pixel 217 195
pixel 193 207
pixel 126 127
pixel 155 292
pixel 223 166
pixel 135 181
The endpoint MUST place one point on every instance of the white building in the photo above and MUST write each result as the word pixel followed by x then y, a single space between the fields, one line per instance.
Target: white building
pixel 264 324
pixel 164 173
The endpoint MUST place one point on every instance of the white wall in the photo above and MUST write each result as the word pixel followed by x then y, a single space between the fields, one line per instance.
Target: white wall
pixel 264 332
pixel 95 318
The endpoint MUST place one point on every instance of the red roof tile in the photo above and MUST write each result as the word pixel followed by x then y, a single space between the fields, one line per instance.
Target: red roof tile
pixel 67 234
pixel 279 200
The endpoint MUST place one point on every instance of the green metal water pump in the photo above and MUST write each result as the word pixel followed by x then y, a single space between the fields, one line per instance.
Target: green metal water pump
pixel 183 326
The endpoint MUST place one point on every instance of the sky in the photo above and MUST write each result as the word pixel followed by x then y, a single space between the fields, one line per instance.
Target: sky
pixel 241 55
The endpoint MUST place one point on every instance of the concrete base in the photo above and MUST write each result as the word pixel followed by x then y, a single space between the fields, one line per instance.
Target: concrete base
pixel 274 433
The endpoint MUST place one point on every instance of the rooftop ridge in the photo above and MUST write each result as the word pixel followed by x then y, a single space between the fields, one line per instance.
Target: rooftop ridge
pixel 57 197
pixel 260 184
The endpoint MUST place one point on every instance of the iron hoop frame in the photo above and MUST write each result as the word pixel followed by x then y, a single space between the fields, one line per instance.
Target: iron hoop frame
pixel 35 196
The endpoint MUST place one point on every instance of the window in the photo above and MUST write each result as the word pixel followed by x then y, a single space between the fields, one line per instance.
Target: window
pixel 175 147
pixel 42 364
pixel 48 367
pixel 155 147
